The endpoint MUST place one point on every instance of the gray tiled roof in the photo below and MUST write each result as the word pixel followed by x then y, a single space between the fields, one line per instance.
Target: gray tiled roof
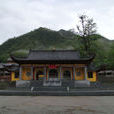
pixel 53 55
pixel 9 59
pixel 1 66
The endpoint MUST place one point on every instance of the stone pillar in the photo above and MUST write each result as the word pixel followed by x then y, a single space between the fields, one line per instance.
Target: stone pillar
pixel 60 72
pixel 31 72
pixel 85 72
pixel 20 73
pixel 74 72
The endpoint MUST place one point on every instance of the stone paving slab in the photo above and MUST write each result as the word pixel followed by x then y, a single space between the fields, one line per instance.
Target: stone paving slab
pixel 56 104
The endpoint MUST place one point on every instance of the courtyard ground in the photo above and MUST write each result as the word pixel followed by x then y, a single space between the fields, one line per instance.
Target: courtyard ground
pixel 56 105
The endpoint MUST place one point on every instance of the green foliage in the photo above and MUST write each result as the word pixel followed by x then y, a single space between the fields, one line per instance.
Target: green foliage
pixel 43 38
pixel 111 57
pixel 86 29
pixel 3 85
pixel 20 53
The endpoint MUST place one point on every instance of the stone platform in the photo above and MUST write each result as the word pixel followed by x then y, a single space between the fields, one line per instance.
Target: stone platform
pixel 64 88
pixel 57 93
pixel 53 83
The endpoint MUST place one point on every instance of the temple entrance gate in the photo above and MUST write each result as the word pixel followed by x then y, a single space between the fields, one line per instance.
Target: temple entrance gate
pixel 53 73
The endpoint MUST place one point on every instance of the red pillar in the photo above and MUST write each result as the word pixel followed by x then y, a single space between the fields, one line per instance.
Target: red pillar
pixel 33 73
pixel 72 73
pixel 46 75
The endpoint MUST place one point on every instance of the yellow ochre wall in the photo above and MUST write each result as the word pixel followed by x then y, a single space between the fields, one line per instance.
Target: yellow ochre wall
pixel 94 79
pixel 81 77
pixel 13 77
pixel 24 71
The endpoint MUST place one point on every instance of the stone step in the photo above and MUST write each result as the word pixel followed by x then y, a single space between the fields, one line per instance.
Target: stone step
pixel 36 83
pixel 56 93
pixel 50 88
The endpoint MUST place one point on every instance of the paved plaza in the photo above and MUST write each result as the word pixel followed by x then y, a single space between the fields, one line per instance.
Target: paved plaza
pixel 56 105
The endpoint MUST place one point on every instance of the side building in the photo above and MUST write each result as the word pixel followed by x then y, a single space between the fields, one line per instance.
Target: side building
pixel 9 71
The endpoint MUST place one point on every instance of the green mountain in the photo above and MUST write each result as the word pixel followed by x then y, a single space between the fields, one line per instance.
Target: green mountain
pixel 44 38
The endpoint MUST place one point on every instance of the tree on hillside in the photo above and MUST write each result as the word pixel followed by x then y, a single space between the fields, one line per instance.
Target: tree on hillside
pixel 86 29
pixel 111 57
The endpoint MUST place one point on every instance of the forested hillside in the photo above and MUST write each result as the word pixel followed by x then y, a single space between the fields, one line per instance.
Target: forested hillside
pixel 44 38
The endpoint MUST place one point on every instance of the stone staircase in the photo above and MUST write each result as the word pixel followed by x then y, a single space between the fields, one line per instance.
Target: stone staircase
pixel 55 82
pixel 56 85
pixel 50 88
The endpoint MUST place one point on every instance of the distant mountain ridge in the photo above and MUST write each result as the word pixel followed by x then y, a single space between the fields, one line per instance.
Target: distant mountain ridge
pixel 43 38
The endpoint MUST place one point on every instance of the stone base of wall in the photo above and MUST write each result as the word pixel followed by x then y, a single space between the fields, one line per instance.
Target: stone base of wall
pixel 82 83
pixel 52 82
pixel 22 83
pixel 78 83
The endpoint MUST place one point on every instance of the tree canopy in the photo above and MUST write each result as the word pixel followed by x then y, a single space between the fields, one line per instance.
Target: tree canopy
pixel 86 29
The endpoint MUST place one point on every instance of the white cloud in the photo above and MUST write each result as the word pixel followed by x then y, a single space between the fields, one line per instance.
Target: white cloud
pixel 20 16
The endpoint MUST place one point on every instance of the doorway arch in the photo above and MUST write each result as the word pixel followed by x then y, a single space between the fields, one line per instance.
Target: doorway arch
pixel 53 73
pixel 39 72
pixel 67 75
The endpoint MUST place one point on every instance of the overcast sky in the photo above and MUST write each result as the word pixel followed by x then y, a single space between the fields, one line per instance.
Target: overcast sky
pixel 21 16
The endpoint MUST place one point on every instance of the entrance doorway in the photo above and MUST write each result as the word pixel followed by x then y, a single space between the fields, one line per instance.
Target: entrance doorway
pixel 39 75
pixel 53 73
pixel 67 75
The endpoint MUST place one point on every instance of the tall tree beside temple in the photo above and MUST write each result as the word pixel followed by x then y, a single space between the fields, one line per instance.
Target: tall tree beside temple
pixel 86 29
pixel 111 57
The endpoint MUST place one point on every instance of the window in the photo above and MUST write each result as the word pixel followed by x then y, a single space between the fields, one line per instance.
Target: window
pixel 109 73
pixel 100 74
pixel 28 74
pixel 67 74
pixel 90 74
pixel 38 74
pixel 78 73
pixel 53 73
pixel 16 74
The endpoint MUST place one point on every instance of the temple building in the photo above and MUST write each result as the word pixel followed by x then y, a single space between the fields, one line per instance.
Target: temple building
pixel 9 71
pixel 13 70
pixel 59 65
pixel 4 74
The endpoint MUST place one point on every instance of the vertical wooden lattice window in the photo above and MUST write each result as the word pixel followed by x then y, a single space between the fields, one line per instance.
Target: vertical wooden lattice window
pixel 90 74
pixel 16 74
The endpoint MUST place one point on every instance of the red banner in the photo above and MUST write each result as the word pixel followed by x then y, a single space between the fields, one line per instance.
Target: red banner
pixel 52 66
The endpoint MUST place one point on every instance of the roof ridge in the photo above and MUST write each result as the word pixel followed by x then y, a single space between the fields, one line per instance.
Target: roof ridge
pixel 53 50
